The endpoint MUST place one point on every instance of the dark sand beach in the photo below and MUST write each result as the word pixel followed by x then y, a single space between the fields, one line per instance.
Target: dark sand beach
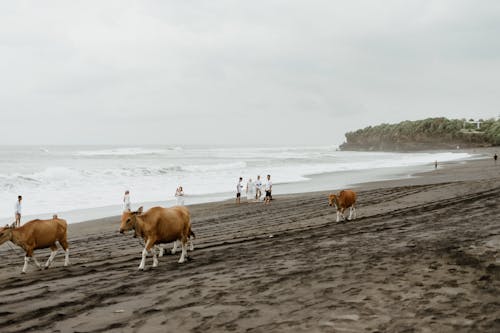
pixel 421 257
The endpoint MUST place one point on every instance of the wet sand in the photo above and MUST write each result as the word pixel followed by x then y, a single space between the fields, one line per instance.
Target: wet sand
pixel 422 256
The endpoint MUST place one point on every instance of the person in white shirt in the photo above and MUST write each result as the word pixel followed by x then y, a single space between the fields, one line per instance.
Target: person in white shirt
pixel 18 211
pixel 126 202
pixel 179 194
pixel 239 187
pixel 250 190
pixel 258 188
pixel 269 188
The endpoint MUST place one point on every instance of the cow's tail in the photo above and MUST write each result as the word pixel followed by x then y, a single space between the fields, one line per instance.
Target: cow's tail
pixel 191 233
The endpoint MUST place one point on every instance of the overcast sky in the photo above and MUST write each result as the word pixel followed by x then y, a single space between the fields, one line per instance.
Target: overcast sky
pixel 240 72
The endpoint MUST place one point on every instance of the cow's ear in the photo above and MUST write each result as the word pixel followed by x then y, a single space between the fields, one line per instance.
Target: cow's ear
pixel 139 210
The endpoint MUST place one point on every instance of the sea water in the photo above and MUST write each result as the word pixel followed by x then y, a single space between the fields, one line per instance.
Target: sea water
pixel 69 179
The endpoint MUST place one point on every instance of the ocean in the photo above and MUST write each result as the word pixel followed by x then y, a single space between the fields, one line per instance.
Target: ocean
pixel 84 182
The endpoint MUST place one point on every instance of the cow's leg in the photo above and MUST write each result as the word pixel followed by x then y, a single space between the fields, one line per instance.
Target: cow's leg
pixel 36 262
pixel 159 249
pixel 338 216
pixel 64 244
pixel 51 258
pixel 155 257
pixel 66 257
pixel 184 250
pixel 147 248
pixel 191 245
pixel 25 267
pixel 143 260
pixel 174 249
pixel 52 255
pixel 342 211
pixel 354 212
pixel 350 213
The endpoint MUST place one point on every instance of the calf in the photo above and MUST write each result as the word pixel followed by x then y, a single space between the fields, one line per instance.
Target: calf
pixel 345 199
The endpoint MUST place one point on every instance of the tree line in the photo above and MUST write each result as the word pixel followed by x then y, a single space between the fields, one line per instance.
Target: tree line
pixel 430 133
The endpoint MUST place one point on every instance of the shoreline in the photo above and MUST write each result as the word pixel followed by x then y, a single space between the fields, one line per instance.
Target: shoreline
pixel 312 183
pixel 397 175
pixel 449 173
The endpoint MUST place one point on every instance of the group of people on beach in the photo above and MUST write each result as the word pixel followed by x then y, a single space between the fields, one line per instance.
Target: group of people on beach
pixel 253 190
pixel 179 195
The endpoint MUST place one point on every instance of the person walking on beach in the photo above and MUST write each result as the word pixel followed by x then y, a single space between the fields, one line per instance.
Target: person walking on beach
pixel 435 164
pixel 258 188
pixel 269 188
pixel 179 194
pixel 250 190
pixel 495 157
pixel 126 202
pixel 18 210
pixel 239 187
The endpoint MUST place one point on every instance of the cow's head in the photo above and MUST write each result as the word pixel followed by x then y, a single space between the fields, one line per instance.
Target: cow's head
pixel 332 200
pixel 129 220
pixel 5 234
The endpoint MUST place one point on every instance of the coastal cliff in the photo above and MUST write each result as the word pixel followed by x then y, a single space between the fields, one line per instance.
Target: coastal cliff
pixel 431 133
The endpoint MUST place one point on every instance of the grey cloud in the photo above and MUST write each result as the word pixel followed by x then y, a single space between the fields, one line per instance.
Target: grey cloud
pixel 298 71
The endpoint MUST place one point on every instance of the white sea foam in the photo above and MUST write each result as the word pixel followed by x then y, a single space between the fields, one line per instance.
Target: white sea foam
pixel 70 178
pixel 125 151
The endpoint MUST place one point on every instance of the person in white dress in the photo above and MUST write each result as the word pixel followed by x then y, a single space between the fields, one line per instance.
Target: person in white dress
pixel 258 188
pixel 250 190
pixel 18 210
pixel 126 202
pixel 179 194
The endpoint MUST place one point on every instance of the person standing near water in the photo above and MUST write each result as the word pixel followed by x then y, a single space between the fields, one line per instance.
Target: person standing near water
pixel 250 190
pixel 126 202
pixel 18 209
pixel 436 164
pixel 495 158
pixel 269 188
pixel 239 187
pixel 258 188
pixel 179 194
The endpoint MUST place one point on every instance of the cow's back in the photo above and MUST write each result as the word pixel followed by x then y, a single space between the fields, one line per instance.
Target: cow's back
pixel 167 223
pixel 45 233
pixel 348 198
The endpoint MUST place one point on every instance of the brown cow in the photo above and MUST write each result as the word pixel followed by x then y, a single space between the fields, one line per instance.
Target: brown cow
pixel 159 225
pixel 162 247
pixel 38 234
pixel 345 199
